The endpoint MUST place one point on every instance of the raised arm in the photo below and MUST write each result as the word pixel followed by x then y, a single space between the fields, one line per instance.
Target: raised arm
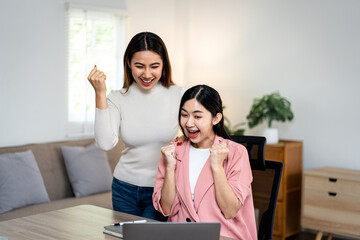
pixel 97 79
pixel 168 191
pixel 107 116
pixel 225 197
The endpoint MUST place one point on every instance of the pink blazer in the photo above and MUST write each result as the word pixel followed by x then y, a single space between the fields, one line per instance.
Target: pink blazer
pixel 204 208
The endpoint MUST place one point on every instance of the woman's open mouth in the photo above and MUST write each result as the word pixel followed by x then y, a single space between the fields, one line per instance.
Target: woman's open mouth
pixel 146 82
pixel 193 134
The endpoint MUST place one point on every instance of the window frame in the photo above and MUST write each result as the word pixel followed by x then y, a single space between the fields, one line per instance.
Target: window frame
pixel 85 129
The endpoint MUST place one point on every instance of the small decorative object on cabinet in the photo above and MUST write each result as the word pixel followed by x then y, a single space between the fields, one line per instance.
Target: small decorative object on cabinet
pixel 269 108
pixel 331 201
pixel 287 216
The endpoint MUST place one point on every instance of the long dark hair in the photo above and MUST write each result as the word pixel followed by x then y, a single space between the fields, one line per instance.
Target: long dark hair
pixel 147 41
pixel 211 100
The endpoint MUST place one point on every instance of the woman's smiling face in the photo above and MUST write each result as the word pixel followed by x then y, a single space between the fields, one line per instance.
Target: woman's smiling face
pixel 197 123
pixel 146 67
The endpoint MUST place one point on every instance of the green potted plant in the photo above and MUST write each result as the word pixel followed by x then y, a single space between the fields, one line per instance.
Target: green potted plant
pixel 233 130
pixel 270 108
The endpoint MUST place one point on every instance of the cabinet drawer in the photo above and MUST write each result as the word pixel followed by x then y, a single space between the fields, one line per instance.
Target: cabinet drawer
pixel 331 220
pixel 331 200
pixel 332 185
pixel 274 154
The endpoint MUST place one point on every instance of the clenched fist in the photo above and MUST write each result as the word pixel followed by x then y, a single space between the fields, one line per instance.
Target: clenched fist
pixel 218 153
pixel 168 153
pixel 97 79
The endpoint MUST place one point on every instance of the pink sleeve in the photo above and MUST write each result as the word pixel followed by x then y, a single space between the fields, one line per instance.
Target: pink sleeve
pixel 159 181
pixel 238 172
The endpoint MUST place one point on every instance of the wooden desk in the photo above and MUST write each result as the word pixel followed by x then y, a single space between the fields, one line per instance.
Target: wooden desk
pixel 80 222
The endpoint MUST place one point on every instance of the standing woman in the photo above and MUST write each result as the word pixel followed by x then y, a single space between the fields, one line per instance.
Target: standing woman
pixel 144 114
pixel 208 177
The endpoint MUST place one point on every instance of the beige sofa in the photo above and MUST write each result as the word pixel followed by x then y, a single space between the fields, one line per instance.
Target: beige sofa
pixel 53 170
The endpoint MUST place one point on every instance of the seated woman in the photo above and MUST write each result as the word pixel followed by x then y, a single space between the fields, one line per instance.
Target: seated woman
pixel 207 178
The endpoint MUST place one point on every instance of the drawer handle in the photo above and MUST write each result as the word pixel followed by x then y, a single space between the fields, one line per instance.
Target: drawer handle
pixel 333 194
pixel 332 179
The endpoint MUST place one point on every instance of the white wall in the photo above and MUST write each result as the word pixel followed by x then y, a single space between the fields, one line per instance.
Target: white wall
pixel 158 16
pixel 308 50
pixel 32 75
pixel 33 83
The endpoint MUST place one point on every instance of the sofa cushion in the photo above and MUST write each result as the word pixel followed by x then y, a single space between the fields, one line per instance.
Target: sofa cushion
pixel 88 169
pixel 21 183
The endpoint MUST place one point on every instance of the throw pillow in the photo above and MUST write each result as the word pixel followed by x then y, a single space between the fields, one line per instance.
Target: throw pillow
pixel 21 183
pixel 88 169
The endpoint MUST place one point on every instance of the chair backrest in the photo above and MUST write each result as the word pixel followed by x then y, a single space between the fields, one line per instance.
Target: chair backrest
pixel 264 172
pixel 262 178
pixel 255 146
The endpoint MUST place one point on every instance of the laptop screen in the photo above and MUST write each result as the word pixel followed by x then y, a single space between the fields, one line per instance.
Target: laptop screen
pixel 171 231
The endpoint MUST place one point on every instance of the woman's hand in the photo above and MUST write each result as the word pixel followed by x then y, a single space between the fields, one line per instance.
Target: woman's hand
pixel 218 153
pixel 168 191
pixel 226 199
pixel 169 155
pixel 97 79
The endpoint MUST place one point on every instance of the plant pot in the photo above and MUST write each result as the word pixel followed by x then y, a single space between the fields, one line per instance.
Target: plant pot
pixel 271 135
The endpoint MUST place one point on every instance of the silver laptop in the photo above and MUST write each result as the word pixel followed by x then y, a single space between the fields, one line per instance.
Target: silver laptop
pixel 171 231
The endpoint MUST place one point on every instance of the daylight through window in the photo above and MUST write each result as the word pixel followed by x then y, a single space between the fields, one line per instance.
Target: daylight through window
pixel 95 38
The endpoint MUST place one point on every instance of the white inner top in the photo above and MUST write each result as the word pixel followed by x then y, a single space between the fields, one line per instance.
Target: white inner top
pixel 197 160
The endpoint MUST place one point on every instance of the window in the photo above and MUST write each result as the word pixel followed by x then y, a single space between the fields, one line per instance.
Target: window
pixel 94 38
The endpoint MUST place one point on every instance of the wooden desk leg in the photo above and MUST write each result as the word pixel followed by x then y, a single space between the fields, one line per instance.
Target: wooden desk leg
pixel 330 236
pixel 319 235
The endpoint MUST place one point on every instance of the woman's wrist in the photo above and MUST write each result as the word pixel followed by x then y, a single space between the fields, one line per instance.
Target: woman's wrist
pixel 101 101
pixel 170 168
pixel 217 168
pixel 100 94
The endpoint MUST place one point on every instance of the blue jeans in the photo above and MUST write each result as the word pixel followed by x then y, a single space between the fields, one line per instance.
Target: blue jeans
pixel 134 200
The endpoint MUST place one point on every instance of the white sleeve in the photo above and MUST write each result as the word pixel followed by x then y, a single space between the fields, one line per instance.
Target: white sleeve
pixel 107 123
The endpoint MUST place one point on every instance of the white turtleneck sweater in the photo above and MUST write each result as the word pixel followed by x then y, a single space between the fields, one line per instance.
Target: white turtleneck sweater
pixel 145 121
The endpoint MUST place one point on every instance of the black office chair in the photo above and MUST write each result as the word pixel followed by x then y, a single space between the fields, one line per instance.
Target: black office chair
pixel 264 172
pixel 256 148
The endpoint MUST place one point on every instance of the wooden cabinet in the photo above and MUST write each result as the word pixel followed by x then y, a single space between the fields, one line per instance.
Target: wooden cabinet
pixel 287 215
pixel 331 201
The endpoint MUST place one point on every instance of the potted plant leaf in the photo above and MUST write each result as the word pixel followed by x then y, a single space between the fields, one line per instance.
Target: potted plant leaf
pixel 270 108
pixel 233 130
